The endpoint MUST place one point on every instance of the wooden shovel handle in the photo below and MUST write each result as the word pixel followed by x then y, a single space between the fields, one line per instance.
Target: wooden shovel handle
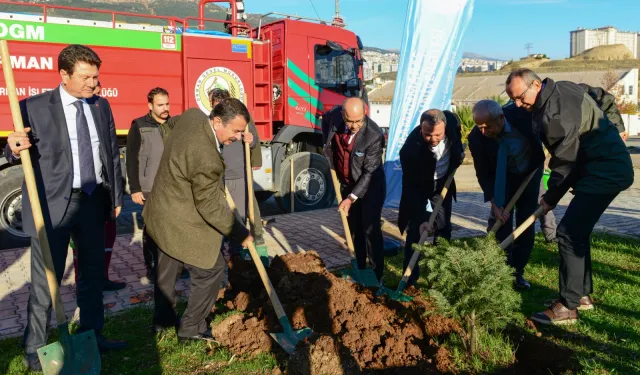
pixel 277 306
pixel 343 215
pixel 247 159
pixel 519 230
pixel 32 188
pixel 513 201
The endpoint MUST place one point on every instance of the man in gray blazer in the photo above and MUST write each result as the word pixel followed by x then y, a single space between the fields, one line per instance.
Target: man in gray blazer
pixel 71 136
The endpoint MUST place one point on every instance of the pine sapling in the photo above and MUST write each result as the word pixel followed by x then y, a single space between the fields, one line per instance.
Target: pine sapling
pixel 471 282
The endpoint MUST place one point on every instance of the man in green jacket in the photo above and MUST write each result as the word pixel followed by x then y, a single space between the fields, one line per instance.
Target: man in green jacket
pixel 588 155
pixel 187 215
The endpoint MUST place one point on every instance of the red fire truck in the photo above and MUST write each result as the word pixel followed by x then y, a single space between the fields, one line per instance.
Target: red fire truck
pixel 288 71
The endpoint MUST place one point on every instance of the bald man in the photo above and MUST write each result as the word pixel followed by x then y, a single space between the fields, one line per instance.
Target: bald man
pixel 353 145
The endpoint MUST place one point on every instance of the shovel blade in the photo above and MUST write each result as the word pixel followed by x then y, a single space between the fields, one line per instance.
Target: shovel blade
pixel 365 277
pixel 262 250
pixel 289 341
pixel 73 355
pixel 394 294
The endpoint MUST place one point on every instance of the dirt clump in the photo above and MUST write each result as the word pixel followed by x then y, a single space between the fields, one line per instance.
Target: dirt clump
pixel 323 356
pixel 444 364
pixel 377 334
pixel 242 335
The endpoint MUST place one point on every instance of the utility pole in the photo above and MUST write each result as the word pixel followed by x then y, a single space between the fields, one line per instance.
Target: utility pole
pixel 337 18
pixel 528 47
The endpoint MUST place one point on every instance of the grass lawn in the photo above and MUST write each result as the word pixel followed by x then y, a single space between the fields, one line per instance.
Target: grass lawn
pixel 605 341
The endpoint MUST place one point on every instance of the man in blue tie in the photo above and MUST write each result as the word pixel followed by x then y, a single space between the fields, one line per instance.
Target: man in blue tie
pixel 71 137
pixel 505 151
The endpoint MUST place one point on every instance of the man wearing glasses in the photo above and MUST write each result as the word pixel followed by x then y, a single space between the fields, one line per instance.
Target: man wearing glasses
pixel 432 151
pixel 588 155
pixel 353 146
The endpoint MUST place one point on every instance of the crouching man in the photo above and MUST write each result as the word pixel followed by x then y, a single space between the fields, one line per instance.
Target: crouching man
pixel 187 215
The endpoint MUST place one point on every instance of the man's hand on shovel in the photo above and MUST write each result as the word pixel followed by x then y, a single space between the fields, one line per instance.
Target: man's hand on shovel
pixel 426 227
pixel 345 206
pixel 500 213
pixel 545 206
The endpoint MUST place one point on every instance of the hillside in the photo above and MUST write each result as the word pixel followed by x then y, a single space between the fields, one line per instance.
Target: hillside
pixel 601 53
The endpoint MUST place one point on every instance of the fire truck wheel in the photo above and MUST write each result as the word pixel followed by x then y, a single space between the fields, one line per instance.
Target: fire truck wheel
pixel 312 183
pixel 11 234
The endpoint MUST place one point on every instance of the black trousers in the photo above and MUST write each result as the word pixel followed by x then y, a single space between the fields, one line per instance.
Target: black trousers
pixel 366 230
pixel 84 223
pixel 205 284
pixel 574 245
pixel 442 225
pixel 519 252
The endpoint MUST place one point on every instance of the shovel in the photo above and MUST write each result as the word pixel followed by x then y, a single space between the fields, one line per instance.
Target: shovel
pixel 289 338
pixel 71 355
pixel 513 201
pixel 365 277
pixel 263 250
pixel 398 294
pixel 519 230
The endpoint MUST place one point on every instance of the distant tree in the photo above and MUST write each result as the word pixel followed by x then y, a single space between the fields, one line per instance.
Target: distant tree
pixel 498 98
pixel 466 120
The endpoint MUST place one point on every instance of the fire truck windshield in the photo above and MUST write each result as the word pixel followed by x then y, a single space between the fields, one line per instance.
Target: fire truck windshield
pixel 336 70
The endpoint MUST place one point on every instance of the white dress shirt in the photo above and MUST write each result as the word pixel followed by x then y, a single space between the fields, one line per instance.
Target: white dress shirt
pixel 70 115
pixel 441 152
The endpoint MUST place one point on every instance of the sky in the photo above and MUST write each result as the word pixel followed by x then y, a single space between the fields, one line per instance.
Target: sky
pixel 498 29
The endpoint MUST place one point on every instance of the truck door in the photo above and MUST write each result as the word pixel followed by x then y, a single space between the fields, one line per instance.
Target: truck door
pixel 334 72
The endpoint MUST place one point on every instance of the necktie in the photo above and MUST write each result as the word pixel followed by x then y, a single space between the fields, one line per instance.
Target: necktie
pixel 85 151
pixel 501 175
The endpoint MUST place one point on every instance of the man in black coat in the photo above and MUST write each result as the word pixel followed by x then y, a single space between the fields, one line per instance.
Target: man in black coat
pixel 71 137
pixel 353 146
pixel 432 151
pixel 588 155
pixel 505 151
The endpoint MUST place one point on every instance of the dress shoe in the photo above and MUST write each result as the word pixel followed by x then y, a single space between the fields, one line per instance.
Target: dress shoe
pixel 522 283
pixel 110 286
pixel 204 336
pixel 556 314
pixel 586 303
pixel 105 344
pixel 32 361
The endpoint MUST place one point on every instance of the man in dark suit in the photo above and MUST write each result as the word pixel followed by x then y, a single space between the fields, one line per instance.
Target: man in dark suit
pixel 353 146
pixel 505 151
pixel 187 215
pixel 430 154
pixel 71 137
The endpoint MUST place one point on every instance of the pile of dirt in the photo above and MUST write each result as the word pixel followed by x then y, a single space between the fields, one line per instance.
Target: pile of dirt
pixel 606 53
pixel 354 331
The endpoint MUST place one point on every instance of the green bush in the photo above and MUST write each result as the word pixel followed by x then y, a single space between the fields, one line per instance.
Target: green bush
pixel 466 120
pixel 471 282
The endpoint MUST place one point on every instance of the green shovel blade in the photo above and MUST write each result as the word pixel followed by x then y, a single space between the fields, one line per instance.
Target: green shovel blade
pixel 289 340
pixel 394 294
pixel 365 277
pixel 73 355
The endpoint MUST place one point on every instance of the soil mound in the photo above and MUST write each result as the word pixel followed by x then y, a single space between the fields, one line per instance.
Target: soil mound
pixel 243 336
pixel 373 333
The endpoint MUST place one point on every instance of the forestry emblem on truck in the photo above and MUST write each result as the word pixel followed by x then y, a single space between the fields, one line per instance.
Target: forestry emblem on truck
pixel 221 78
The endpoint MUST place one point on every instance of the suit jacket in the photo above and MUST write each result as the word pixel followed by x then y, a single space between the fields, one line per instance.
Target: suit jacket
pixel 366 158
pixel 187 213
pixel 484 150
pixel 52 160
pixel 418 168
